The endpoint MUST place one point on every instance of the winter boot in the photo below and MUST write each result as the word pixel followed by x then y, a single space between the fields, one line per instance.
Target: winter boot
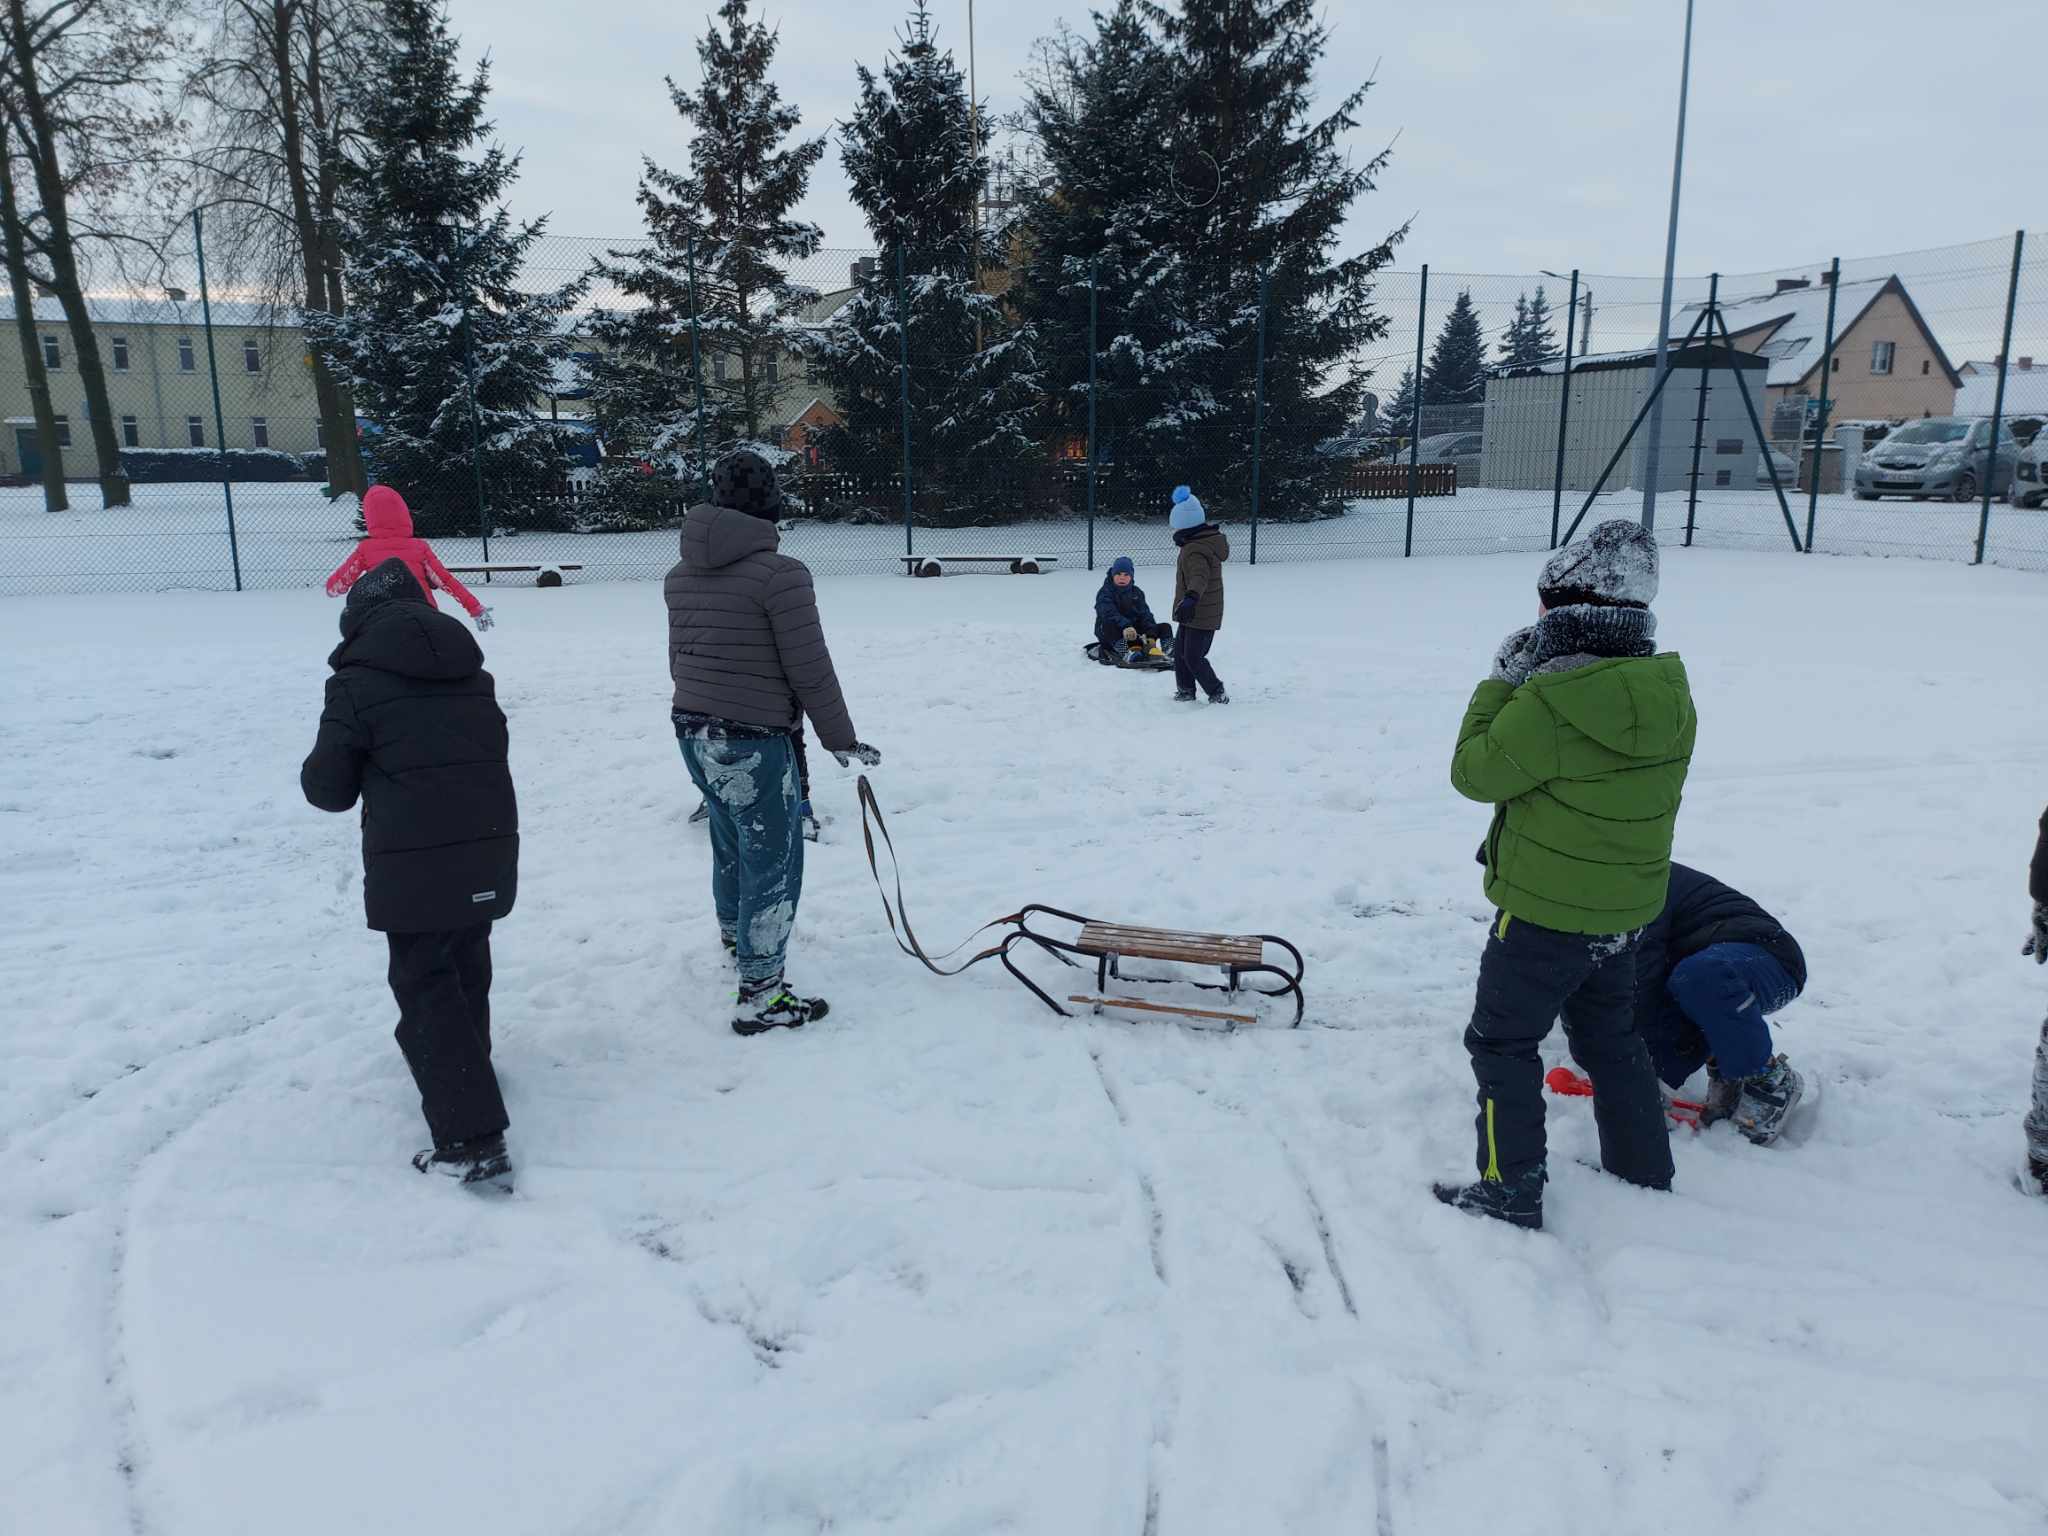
pixel 1723 1093
pixel 2037 1172
pixel 767 1005
pixel 1219 697
pixel 1765 1101
pixel 480 1164
pixel 729 944
pixel 1183 695
pixel 1519 1204
pixel 702 813
pixel 812 828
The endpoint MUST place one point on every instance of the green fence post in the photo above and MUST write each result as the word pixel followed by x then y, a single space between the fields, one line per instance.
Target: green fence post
pixel 1699 422
pixel 2012 299
pixel 903 389
pixel 1415 419
pixel 1094 276
pixel 1564 409
pixel 697 368
pixel 1820 426
pixel 1259 411
pixel 220 430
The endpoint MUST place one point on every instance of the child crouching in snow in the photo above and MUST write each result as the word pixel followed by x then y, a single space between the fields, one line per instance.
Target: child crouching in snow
pixel 1197 597
pixel 412 728
pixel 1124 627
pixel 390 537
pixel 1580 739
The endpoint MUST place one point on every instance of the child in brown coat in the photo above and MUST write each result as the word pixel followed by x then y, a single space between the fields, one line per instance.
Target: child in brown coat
pixel 1197 597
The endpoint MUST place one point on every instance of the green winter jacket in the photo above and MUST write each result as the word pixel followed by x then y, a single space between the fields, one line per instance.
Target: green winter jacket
pixel 1587 768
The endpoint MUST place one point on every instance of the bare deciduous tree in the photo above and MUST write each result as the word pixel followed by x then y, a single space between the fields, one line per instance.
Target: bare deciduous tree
pixel 22 286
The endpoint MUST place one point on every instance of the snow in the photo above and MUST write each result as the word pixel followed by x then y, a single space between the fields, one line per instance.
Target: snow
pixel 946 1263
pixel 2026 393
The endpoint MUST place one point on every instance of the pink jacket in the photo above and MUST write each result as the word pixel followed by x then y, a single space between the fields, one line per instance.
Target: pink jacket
pixel 389 520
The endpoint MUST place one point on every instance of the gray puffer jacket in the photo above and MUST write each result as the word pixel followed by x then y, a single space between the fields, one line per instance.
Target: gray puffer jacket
pixel 744 641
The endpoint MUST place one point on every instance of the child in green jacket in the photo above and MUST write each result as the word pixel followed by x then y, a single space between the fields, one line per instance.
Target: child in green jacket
pixel 1580 739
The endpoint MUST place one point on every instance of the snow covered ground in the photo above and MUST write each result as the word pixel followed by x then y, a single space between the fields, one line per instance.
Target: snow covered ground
pixel 289 535
pixel 946 1263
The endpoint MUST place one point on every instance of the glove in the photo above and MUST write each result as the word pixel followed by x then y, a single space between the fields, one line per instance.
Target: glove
pixel 1130 634
pixel 483 618
pixel 1186 610
pixel 2037 941
pixel 861 752
pixel 1516 657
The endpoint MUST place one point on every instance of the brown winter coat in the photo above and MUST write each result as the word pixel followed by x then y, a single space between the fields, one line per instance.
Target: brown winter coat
pixel 1200 571
pixel 744 641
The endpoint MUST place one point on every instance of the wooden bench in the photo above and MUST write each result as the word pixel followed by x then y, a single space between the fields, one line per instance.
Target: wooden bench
pixel 1017 565
pixel 1232 954
pixel 549 572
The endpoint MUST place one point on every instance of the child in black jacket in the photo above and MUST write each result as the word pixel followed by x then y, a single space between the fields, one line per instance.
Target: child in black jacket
pixel 1125 630
pixel 2037 946
pixel 412 727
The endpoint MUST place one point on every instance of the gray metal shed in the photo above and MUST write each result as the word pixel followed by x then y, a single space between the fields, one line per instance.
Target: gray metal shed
pixel 1608 388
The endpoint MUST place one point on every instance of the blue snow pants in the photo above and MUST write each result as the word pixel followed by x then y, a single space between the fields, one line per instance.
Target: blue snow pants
pixel 1715 1003
pixel 749 781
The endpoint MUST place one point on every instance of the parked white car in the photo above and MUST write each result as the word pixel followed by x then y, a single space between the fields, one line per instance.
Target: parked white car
pixel 2029 486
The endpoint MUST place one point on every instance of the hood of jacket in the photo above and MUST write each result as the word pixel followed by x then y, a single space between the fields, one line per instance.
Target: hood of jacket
pixel 715 537
pixel 1187 536
pixel 1639 706
pixel 387 623
pixel 385 513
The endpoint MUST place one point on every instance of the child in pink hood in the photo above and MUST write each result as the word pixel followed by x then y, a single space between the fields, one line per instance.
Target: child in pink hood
pixel 390 537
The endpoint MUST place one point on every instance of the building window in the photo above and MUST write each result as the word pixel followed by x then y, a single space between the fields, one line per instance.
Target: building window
pixel 1881 356
pixel 131 432
pixel 195 429
pixel 718 370
pixel 53 352
pixel 120 354
pixel 252 357
pixel 774 372
pixel 1724 477
pixel 186 362
pixel 259 431
pixel 1727 446
pixel 1925 366
pixel 63 431
pixel 1838 366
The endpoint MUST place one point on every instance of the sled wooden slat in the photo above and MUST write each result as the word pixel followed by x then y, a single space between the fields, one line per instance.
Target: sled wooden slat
pixel 496 567
pixel 1174 1008
pixel 1218 949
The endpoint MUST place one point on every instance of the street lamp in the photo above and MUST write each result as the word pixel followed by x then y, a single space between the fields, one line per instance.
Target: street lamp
pixel 1586 329
pixel 220 427
pixel 1650 457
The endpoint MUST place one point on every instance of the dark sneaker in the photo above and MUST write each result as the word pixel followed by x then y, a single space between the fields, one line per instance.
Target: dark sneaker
pixel 812 829
pixel 1766 1100
pixel 482 1164
pixel 1519 1204
pixel 774 1006
pixel 729 944
pixel 1219 697
pixel 1184 696
pixel 702 813
pixel 2037 1170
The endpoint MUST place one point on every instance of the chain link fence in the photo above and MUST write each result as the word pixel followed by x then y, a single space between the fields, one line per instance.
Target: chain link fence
pixel 1878 405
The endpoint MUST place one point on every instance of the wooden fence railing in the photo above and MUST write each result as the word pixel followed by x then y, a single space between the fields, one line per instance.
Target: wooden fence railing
pixel 1389 482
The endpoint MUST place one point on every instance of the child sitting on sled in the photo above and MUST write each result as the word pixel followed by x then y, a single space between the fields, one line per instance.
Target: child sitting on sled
pixel 1125 630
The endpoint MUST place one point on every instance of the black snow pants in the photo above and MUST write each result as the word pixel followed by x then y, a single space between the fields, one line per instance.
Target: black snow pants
pixel 443 985
pixel 1527 977
pixel 1191 661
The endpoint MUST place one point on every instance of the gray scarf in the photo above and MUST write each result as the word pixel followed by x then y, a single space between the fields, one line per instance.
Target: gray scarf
pixel 1580 634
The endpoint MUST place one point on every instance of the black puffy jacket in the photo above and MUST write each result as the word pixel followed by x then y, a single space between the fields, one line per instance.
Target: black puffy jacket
pixel 412 725
pixel 2037 876
pixel 1699 911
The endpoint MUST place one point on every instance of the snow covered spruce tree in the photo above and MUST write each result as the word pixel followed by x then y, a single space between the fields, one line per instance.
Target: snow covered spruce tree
pixel 1456 375
pixel 1529 340
pixel 1262 187
pixel 1398 414
pixel 733 211
pixel 975 389
pixel 1099 108
pixel 433 260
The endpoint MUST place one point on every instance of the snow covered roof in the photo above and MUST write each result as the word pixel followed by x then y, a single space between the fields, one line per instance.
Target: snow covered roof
pixel 1695 356
pixel 1795 323
pixel 132 309
pixel 2026 393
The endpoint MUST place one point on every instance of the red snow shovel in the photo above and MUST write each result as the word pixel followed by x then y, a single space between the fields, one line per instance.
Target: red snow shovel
pixel 1567 1084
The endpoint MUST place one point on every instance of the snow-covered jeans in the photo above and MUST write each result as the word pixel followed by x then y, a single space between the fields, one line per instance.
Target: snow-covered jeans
pixel 748 777
pixel 2037 1117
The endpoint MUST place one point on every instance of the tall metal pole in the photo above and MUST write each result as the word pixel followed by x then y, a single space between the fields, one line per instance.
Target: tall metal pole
pixel 697 365
pixel 2012 298
pixel 1820 426
pixel 220 427
pixel 903 388
pixel 1415 417
pixel 974 153
pixel 476 442
pixel 1259 411
pixel 1651 457
pixel 1699 422
pixel 1564 414
pixel 1094 276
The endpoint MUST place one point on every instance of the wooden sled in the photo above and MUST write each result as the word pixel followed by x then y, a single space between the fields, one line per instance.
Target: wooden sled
pixel 1107 945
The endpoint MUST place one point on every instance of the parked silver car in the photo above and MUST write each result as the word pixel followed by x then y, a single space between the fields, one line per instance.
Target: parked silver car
pixel 2030 475
pixel 1459 448
pixel 1776 458
pixel 1940 456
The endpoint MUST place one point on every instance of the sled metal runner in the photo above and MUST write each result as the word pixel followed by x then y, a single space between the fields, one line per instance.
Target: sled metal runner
pixel 1105 944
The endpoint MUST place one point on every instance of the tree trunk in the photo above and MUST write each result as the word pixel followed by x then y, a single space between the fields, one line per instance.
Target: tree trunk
pixel 312 218
pixel 44 156
pixel 55 498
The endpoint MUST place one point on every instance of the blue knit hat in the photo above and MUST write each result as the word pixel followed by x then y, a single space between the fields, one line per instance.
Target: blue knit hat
pixel 1122 563
pixel 1187 510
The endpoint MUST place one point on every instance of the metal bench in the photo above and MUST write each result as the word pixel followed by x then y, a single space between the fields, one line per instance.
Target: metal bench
pixel 549 572
pixel 1017 565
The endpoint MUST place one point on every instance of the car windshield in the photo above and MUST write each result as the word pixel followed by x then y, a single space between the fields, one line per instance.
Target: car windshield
pixel 1936 431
